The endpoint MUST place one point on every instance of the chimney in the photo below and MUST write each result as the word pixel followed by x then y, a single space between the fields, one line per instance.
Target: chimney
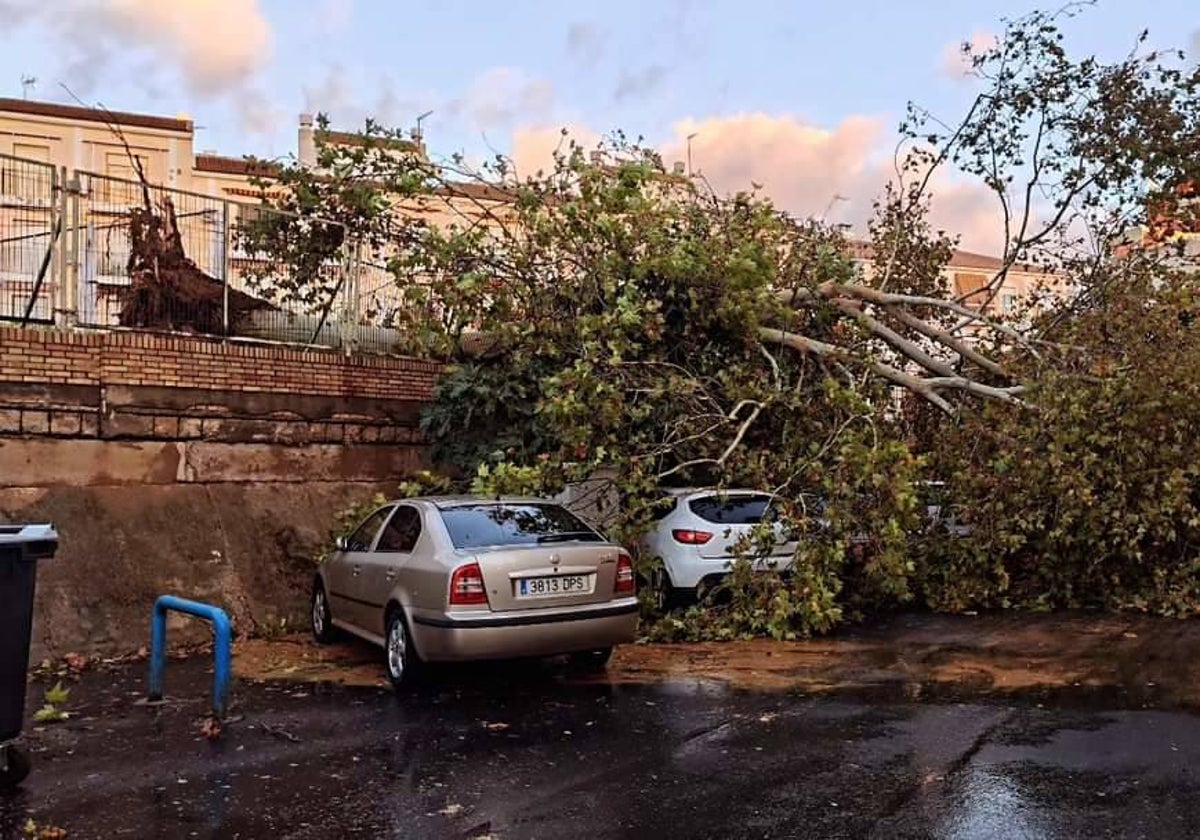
pixel 679 168
pixel 306 142
pixel 418 140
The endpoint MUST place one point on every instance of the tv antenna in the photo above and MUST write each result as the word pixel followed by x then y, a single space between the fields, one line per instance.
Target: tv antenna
pixel 28 83
pixel 419 135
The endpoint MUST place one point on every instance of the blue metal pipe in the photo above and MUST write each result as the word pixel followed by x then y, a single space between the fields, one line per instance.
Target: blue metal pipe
pixel 222 646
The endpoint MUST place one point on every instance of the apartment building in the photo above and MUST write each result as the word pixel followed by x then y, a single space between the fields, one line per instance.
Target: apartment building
pixel 970 277
pixel 43 144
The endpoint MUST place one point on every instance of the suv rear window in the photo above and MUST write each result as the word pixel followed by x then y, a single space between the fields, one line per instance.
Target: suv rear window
pixel 480 526
pixel 741 509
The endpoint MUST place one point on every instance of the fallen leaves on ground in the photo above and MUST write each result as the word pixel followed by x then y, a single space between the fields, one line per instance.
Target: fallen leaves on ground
pixel 51 712
pixel 58 695
pixel 210 728
pixel 43 832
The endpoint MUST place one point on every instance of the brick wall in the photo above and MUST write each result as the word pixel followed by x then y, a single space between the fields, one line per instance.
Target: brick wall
pixel 161 387
pixel 120 358
pixel 52 357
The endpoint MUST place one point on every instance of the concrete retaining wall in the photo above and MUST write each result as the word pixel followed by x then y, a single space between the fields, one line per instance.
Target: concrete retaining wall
pixel 193 466
pixel 247 547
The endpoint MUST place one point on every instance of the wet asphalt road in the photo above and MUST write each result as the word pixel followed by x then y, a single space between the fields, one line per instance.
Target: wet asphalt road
pixel 515 751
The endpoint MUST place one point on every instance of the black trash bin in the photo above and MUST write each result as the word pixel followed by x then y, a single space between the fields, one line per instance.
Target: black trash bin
pixel 21 547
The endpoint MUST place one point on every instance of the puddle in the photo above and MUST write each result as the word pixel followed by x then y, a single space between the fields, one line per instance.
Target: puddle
pixel 1088 660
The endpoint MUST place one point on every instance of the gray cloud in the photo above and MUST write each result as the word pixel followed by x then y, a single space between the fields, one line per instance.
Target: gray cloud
pixel 637 84
pixel 585 42
pixel 258 114
pixel 17 12
pixel 500 97
pixel 216 47
pixel 333 95
pixel 348 101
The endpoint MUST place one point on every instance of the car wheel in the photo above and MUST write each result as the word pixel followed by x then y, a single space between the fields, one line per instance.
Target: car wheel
pixel 663 590
pixel 322 619
pixel 591 661
pixel 403 664
pixel 14 767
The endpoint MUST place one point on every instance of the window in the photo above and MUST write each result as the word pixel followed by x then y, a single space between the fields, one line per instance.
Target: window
pixel 29 151
pixel 402 531
pixel 1008 301
pixel 479 526
pixel 118 165
pixel 364 535
pixel 971 288
pixel 743 509
pixel 664 507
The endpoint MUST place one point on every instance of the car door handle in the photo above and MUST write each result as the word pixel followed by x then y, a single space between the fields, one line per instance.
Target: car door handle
pixel 391 574
pixel 356 571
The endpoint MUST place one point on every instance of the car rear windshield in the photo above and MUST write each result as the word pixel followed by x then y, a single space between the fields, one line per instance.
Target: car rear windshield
pixel 480 526
pixel 731 510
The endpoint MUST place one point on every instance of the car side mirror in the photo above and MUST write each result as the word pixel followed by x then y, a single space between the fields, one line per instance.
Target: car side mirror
pixel 341 543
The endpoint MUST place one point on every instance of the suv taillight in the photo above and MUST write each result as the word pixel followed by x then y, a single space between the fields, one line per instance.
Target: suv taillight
pixel 691 537
pixel 466 586
pixel 624 582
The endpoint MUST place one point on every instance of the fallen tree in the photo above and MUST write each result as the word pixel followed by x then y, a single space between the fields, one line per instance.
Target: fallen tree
pixel 167 290
pixel 607 317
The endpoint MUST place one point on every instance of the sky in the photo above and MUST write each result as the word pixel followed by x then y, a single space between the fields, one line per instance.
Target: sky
pixel 802 97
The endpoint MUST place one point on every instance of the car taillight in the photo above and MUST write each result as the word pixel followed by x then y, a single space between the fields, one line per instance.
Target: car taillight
pixel 624 582
pixel 691 537
pixel 466 586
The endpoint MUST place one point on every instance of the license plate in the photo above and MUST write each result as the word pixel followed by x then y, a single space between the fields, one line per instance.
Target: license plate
pixel 549 587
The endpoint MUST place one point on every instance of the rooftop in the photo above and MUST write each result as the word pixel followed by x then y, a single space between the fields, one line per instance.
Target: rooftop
pixel 959 259
pixel 235 166
pixel 349 138
pixel 97 115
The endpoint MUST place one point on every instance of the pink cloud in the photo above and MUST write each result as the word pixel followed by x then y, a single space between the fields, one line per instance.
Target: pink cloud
pixel 533 148
pixel 956 62
pixel 832 173
pixel 802 167
pixel 216 46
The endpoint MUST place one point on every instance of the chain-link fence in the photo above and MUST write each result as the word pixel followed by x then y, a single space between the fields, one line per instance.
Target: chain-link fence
pixel 30 232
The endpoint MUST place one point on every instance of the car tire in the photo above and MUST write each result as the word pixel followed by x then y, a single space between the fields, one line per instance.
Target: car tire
pixel 320 616
pixel 591 661
pixel 666 597
pixel 16 767
pixel 404 666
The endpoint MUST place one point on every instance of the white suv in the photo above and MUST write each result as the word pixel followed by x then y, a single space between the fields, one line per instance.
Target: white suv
pixel 696 537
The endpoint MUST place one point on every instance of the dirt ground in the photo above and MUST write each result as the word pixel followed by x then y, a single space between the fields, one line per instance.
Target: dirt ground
pixel 910 655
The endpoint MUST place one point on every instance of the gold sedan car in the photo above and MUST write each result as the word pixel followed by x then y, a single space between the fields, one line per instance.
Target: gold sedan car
pixel 466 578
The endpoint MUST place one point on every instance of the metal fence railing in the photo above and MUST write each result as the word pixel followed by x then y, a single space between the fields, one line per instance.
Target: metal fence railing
pixel 30 232
pixel 112 252
pixel 238 272
pixel 112 214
